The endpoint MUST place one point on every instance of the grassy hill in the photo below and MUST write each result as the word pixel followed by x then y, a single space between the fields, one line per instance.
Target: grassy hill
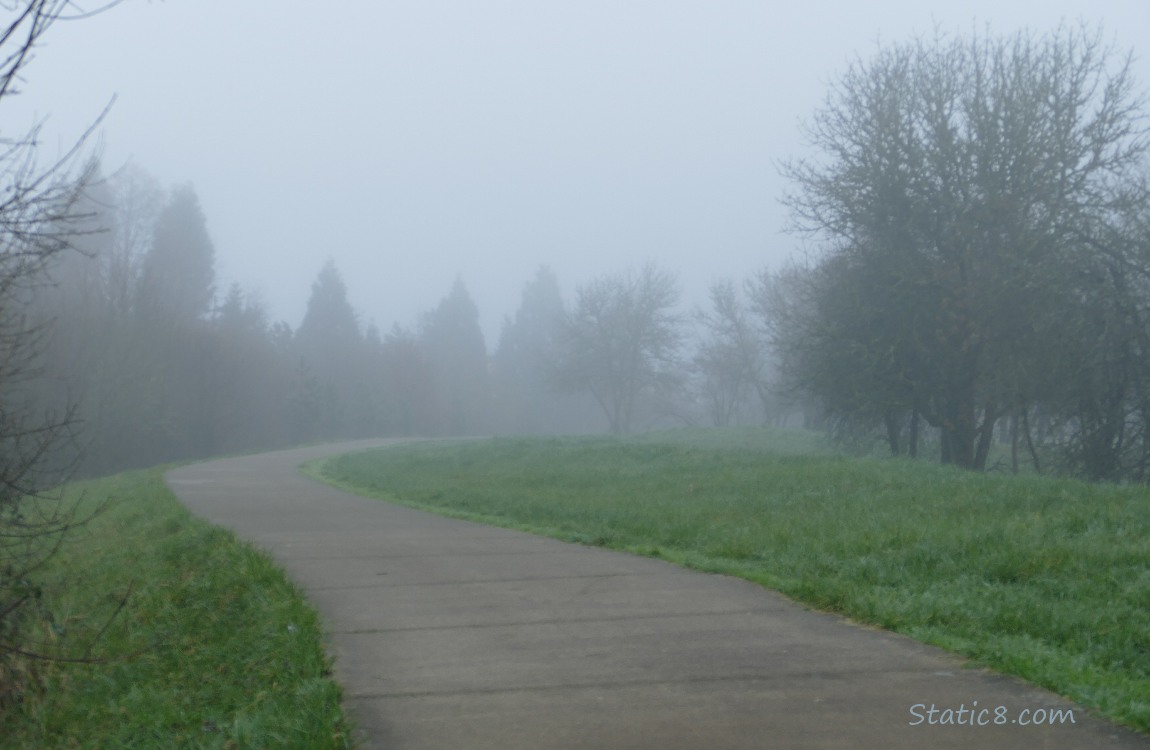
pixel 213 647
pixel 1043 578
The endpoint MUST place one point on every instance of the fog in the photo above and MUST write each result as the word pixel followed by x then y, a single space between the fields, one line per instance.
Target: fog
pixel 305 224
pixel 418 142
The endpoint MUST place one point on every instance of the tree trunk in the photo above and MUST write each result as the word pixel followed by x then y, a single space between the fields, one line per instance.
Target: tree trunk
pixel 958 435
pixel 985 436
pixel 1014 443
pixel 893 428
pixel 959 428
pixel 1029 441
pixel 913 447
pixel 962 447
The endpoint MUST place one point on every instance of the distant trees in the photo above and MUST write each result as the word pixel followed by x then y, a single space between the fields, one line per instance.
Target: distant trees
pixel 329 327
pixel 524 399
pixel 132 210
pixel 731 361
pixel 330 348
pixel 982 209
pixel 153 376
pixel 457 354
pixel 178 271
pixel 976 197
pixel 249 375
pixel 620 342
pixel 175 295
pixel 409 385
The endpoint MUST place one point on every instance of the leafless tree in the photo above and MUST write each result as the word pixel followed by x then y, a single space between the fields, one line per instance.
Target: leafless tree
pixel 731 360
pixel 960 178
pixel 41 218
pixel 621 342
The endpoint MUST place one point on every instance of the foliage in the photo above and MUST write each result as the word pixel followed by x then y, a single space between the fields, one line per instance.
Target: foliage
pixel 965 188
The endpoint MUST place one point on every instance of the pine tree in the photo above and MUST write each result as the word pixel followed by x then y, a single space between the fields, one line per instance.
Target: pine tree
pixel 178 275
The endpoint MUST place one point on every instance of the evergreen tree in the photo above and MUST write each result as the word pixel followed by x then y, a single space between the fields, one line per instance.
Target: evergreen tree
pixel 525 402
pixel 458 356
pixel 331 351
pixel 178 275
pixel 408 382
pixel 329 316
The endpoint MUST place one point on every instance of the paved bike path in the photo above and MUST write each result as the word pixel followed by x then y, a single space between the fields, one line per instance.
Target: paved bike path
pixel 449 634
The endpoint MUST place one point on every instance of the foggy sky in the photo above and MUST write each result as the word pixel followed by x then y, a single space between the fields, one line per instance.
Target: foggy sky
pixel 414 142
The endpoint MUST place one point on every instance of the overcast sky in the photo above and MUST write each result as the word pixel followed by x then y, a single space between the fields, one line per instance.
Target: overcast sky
pixel 418 141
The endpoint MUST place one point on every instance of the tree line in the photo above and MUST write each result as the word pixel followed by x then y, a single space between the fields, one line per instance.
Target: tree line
pixel 977 290
pixel 153 363
pixel 977 210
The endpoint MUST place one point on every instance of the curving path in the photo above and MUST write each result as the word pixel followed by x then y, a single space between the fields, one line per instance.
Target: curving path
pixel 449 634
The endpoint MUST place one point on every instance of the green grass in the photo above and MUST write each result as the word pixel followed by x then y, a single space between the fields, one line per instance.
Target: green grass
pixel 1043 578
pixel 213 649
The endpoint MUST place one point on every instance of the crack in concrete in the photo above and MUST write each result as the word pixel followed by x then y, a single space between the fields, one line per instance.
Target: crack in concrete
pixel 556 621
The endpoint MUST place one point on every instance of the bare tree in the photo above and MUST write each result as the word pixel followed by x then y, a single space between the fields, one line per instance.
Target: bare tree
pixel 621 342
pixel 731 360
pixel 137 200
pixel 41 218
pixel 960 177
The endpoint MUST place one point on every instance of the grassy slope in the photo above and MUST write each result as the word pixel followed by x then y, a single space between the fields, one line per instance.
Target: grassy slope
pixel 214 649
pixel 1047 579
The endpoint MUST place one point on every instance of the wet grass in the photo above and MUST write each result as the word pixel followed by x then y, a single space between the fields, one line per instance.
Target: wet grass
pixel 1042 578
pixel 213 647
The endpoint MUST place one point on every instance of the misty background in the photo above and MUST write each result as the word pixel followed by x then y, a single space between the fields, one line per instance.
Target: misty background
pixel 440 219
pixel 415 143
pixel 917 231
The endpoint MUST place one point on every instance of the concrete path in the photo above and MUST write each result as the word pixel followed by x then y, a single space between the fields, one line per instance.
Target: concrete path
pixel 453 636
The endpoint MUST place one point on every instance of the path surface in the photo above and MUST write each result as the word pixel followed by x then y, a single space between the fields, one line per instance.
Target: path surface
pixel 451 635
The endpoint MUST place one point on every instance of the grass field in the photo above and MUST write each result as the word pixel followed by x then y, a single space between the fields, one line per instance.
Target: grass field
pixel 213 649
pixel 1043 578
